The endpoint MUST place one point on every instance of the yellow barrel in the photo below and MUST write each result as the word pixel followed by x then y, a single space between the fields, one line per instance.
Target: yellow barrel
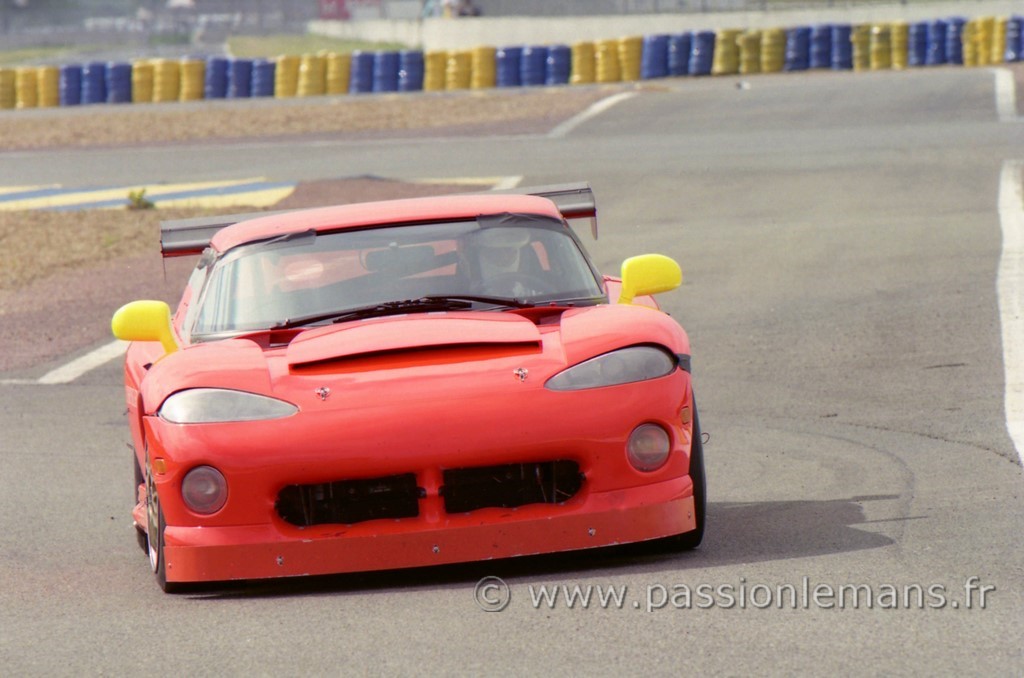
pixel 899 33
pixel 726 59
pixel 773 50
pixel 166 80
pixel 49 86
pixel 435 67
pixel 881 47
pixel 26 87
pixel 193 79
pixel 484 68
pixel 969 41
pixel 312 76
pixel 631 50
pixel 337 73
pixel 458 73
pixel 286 76
pixel 8 98
pixel 986 33
pixel 583 70
pixel 750 52
pixel 998 53
pixel 860 37
pixel 142 82
pixel 606 61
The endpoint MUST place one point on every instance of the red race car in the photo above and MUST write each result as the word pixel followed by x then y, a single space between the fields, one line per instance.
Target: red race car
pixel 406 383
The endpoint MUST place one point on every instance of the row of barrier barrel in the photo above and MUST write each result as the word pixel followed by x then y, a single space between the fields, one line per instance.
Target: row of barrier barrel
pixel 860 47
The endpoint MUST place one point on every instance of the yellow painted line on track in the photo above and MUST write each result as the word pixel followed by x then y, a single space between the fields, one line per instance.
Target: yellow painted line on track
pixel 466 181
pixel 4 190
pixel 76 197
pixel 262 198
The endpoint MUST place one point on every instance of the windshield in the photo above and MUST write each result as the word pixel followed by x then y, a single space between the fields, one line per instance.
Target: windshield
pixel 524 259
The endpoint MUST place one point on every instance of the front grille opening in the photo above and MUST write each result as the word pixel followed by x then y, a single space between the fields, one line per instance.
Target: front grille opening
pixel 510 485
pixel 350 501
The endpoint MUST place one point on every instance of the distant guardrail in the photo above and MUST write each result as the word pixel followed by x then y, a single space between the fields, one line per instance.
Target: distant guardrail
pixel 979 41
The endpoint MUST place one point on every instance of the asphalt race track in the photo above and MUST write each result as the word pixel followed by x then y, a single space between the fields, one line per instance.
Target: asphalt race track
pixel 840 235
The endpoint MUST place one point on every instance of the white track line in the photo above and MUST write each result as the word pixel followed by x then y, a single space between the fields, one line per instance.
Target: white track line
pixel 1006 95
pixel 1010 290
pixel 507 183
pixel 67 373
pixel 595 109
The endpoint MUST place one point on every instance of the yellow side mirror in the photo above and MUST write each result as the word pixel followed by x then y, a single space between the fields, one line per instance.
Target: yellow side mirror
pixel 647 274
pixel 145 321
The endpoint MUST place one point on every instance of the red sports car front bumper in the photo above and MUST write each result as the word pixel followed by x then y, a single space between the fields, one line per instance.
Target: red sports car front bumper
pixel 602 519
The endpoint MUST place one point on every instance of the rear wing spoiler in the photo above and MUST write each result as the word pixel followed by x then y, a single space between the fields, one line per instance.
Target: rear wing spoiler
pixel 184 237
pixel 574 201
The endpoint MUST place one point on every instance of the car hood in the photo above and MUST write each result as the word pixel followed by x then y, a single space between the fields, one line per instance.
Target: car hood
pixel 416 355
pixel 421 331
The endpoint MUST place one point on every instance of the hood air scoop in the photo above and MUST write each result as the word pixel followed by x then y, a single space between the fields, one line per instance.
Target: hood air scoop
pixel 412 332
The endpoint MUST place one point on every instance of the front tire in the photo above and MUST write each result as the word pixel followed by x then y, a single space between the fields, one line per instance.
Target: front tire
pixel 140 478
pixel 692 539
pixel 155 528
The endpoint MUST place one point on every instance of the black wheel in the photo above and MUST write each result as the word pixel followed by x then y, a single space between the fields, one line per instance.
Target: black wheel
pixel 155 533
pixel 692 539
pixel 140 534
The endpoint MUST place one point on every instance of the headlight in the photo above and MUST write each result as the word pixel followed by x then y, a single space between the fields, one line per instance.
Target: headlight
pixel 618 367
pixel 648 447
pixel 211 405
pixel 204 490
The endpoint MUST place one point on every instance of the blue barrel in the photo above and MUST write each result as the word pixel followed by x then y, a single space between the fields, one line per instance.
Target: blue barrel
pixel 702 52
pixel 842 48
pixel 679 54
pixel 507 66
pixel 385 71
pixel 533 68
pixel 70 85
pixel 239 79
pixel 917 44
pixel 954 34
pixel 559 66
pixel 94 83
pixel 263 73
pixel 361 78
pixel 798 49
pixel 216 85
pixel 411 68
pixel 119 83
pixel 654 58
pixel 1014 35
pixel 936 52
pixel 821 46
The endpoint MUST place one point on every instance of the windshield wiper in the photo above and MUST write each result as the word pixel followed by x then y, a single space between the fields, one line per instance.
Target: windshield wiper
pixel 507 302
pixel 446 302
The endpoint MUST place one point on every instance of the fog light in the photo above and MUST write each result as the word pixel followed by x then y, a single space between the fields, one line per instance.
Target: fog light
pixel 204 490
pixel 648 447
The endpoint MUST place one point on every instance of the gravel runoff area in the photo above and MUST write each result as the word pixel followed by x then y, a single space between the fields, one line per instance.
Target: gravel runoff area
pixel 514 110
